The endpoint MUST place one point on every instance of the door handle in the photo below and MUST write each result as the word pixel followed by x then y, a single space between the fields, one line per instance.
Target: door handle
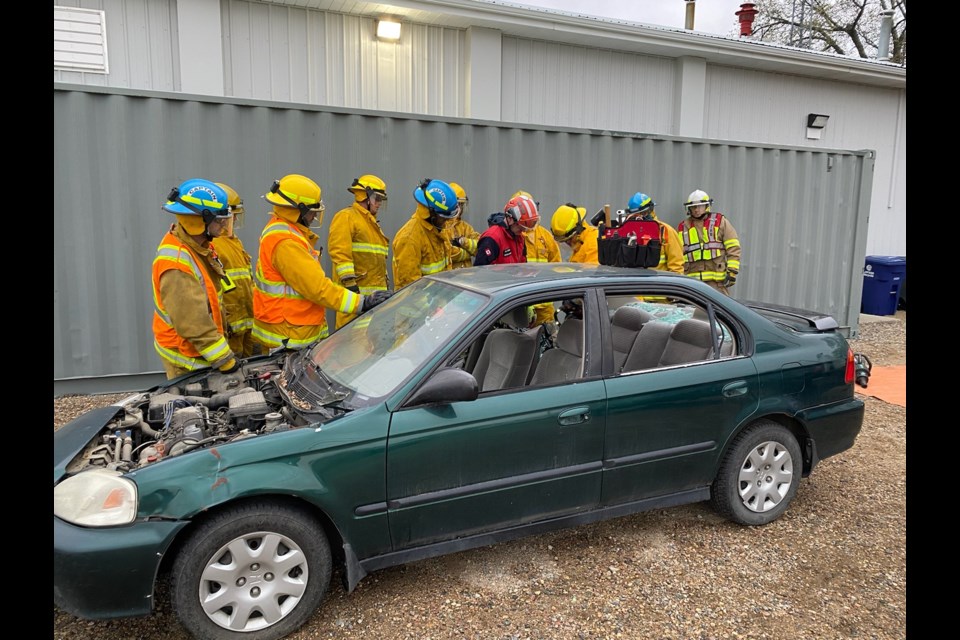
pixel 734 389
pixel 577 415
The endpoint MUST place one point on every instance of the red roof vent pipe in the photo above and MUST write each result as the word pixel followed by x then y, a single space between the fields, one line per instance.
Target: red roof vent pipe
pixel 746 14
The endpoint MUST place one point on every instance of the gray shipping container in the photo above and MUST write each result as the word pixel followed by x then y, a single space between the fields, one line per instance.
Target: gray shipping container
pixel 801 213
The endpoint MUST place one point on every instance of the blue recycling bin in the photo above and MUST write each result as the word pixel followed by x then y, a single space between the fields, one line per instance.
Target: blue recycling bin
pixel 882 277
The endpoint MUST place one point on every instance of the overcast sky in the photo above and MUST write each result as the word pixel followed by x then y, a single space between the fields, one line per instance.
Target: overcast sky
pixel 710 16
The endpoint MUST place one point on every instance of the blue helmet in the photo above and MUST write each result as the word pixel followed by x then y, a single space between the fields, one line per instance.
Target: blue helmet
pixel 198 197
pixel 640 203
pixel 437 196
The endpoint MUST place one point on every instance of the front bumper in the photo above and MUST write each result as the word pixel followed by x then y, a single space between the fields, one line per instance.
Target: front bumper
pixel 108 573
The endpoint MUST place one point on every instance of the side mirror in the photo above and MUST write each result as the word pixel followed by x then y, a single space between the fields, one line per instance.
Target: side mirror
pixel 447 385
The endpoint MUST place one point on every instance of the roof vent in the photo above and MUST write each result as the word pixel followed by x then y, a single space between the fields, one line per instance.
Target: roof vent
pixel 746 15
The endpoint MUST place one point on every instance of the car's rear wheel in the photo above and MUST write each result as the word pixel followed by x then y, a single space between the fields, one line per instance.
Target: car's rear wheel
pixel 255 572
pixel 759 475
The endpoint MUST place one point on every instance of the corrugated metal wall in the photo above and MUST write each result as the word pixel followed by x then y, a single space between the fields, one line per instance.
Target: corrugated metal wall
pixel 801 213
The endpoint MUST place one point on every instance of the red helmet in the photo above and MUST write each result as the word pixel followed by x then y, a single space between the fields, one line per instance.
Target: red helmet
pixel 523 211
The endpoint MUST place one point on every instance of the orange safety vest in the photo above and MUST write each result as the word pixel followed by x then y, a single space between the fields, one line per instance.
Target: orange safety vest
pixel 275 301
pixel 174 254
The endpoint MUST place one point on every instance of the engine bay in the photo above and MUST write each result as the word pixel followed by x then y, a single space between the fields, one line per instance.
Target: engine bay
pixel 204 410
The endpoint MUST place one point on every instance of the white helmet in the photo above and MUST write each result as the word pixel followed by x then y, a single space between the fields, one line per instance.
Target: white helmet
pixel 696 198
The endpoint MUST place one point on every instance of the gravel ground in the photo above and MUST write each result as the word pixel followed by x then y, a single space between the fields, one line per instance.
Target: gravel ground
pixel 834 566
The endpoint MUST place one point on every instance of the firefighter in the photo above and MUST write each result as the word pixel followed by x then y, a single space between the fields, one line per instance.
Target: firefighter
pixel 711 247
pixel 238 301
pixel 419 248
pixel 461 234
pixel 642 207
pixel 358 247
pixel 541 247
pixel 291 291
pixel 570 226
pixel 189 325
pixel 502 242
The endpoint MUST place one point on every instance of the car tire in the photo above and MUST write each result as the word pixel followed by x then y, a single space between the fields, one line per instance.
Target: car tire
pixel 225 587
pixel 759 475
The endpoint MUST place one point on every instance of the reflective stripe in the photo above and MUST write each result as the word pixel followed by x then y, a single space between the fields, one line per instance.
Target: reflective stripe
pixel 244 324
pixel 175 254
pixel 216 351
pixel 435 267
pixel 178 359
pixel 537 259
pixel 366 247
pixel 344 270
pixel 350 302
pixel 211 204
pixel 708 276
pixel 368 290
pixel 276 289
pixel 274 340
pixel 160 312
pixel 239 273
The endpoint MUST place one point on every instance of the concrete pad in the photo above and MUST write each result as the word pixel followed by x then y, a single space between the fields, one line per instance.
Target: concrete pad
pixel 867 318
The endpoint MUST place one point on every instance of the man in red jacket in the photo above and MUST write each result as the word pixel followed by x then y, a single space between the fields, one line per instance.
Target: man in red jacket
pixel 502 242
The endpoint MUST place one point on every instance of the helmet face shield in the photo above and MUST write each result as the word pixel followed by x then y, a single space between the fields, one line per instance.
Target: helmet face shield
pixel 317 210
pixel 696 199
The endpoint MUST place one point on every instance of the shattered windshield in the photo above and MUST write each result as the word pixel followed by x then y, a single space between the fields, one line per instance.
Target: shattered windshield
pixel 377 352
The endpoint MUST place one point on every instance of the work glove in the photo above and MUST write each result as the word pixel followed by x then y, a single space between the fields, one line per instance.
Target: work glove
pixel 731 278
pixel 373 299
pixel 456 241
pixel 351 284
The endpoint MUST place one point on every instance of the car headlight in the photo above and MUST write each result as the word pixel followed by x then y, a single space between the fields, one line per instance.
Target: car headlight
pixel 98 498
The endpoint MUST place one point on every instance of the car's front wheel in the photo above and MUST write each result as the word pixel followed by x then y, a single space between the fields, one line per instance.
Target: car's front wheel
pixel 255 572
pixel 759 475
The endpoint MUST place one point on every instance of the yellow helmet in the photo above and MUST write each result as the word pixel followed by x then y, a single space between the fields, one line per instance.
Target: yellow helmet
pixel 525 194
pixel 366 185
pixel 235 204
pixel 462 198
pixel 567 221
pixel 296 192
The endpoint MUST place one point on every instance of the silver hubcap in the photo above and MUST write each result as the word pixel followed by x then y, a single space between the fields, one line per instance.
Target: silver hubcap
pixel 766 476
pixel 253 581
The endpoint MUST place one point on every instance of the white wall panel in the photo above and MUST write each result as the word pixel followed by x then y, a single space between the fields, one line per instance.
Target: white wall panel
pixel 291 54
pixel 141 45
pixel 562 85
pixel 773 108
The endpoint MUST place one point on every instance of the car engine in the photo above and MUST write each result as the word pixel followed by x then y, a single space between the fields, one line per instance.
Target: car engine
pixel 207 410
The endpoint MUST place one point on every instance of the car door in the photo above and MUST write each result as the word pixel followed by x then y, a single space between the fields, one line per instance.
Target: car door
pixel 507 458
pixel 666 425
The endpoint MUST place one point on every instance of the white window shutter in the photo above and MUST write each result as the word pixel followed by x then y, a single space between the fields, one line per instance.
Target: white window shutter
pixel 79 40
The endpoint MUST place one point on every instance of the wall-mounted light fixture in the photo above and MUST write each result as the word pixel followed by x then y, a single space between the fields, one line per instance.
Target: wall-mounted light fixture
pixel 815 124
pixel 388 29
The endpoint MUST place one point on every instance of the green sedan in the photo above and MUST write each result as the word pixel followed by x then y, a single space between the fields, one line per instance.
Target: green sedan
pixel 444 419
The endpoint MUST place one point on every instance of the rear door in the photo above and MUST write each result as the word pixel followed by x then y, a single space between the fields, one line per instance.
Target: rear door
pixel 666 424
